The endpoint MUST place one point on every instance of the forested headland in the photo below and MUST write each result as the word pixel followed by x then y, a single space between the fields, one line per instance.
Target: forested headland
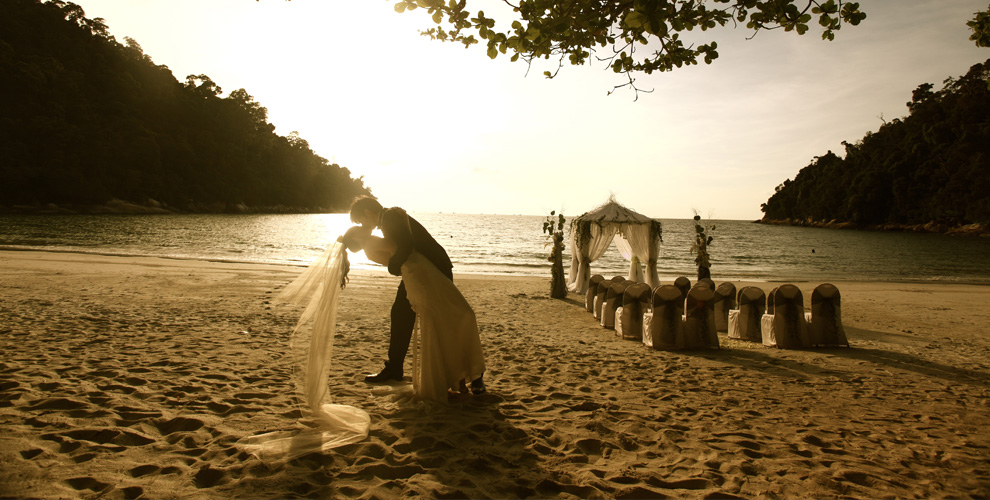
pixel 929 171
pixel 89 124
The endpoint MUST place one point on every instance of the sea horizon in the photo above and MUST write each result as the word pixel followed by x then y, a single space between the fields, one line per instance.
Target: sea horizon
pixel 514 245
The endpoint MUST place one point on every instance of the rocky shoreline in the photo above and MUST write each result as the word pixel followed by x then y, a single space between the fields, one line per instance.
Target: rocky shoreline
pixel 930 227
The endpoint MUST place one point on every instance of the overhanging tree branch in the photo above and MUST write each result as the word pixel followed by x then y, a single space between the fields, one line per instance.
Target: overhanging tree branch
pixel 574 29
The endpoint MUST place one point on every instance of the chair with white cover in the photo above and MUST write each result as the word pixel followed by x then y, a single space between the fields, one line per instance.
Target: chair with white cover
pixel 699 318
pixel 663 326
pixel 725 300
pixel 787 327
pixel 826 317
pixel 629 317
pixel 744 323
pixel 589 298
pixel 613 300
pixel 600 295
pixel 766 322
pixel 709 282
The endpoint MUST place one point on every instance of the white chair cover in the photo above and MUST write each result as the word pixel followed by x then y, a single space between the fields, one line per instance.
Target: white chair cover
pixel 618 321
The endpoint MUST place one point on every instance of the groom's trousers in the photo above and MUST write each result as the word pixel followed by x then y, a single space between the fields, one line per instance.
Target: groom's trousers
pixel 403 321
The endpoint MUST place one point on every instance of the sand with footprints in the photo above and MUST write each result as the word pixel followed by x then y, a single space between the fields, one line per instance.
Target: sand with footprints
pixel 135 378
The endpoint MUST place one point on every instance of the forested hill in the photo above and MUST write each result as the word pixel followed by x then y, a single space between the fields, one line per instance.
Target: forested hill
pixel 928 171
pixel 90 123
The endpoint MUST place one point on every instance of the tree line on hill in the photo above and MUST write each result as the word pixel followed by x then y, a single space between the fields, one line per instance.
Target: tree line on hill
pixel 929 171
pixel 91 122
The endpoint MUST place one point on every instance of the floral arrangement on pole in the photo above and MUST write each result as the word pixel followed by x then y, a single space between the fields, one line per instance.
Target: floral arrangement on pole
pixel 554 229
pixel 701 242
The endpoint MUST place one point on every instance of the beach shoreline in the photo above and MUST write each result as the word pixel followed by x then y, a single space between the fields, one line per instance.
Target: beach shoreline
pixel 134 377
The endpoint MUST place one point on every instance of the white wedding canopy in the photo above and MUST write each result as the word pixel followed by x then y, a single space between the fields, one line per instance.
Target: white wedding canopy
pixel 636 236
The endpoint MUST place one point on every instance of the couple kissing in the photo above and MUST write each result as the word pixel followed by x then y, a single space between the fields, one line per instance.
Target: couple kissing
pixel 429 312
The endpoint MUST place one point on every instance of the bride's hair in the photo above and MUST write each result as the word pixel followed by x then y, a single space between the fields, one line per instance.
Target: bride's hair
pixel 353 240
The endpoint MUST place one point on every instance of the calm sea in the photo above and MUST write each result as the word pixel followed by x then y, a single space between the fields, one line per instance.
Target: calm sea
pixel 515 245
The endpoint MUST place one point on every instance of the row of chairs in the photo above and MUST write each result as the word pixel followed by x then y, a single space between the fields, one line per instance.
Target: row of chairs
pixel 779 318
pixel 681 316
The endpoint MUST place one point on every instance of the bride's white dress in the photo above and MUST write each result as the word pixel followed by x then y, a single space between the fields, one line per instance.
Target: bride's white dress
pixel 446 345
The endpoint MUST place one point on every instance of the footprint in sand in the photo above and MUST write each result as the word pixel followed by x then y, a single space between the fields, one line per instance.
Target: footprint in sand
pixel 638 492
pixel 178 424
pixel 208 477
pixel 143 470
pixel 254 395
pixel 697 483
pixel 56 404
pixel 132 491
pixel 385 471
pixel 129 415
pixel 29 454
pixel 118 437
pixel 87 483
pixel 85 457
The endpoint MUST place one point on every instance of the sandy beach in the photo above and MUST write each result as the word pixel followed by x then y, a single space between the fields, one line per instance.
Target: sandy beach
pixel 134 378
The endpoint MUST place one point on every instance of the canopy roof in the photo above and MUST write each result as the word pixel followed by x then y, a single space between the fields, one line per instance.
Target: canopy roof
pixel 638 240
pixel 612 211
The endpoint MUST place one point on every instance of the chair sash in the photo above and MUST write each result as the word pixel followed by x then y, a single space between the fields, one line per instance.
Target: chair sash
pixel 699 320
pixel 665 329
pixel 589 299
pixel 789 324
pixel 613 299
pixel 770 299
pixel 600 293
pixel 635 301
pixel 725 300
pixel 752 304
pixel 826 316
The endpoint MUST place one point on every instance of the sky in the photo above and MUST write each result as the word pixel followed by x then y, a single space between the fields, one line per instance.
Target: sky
pixel 435 127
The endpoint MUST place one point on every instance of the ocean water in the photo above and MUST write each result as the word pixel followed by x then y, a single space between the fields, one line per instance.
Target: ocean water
pixel 515 245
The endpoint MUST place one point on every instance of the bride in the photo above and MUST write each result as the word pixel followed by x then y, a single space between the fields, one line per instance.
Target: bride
pixel 446 345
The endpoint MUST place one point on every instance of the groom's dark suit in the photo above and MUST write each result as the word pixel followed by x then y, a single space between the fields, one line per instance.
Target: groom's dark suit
pixel 408 235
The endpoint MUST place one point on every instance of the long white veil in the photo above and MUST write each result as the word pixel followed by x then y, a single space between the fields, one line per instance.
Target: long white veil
pixel 325 425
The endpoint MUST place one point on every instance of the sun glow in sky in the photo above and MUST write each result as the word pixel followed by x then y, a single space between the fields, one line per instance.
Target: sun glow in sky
pixel 435 127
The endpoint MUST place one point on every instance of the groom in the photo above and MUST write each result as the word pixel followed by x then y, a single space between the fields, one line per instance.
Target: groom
pixel 408 234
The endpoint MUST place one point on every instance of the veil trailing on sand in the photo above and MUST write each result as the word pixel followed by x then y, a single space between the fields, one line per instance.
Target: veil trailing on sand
pixel 326 425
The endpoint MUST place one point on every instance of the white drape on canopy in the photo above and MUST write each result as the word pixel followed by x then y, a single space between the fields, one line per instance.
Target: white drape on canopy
pixel 636 236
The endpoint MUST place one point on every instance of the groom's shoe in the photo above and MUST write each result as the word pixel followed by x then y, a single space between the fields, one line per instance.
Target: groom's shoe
pixel 386 375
